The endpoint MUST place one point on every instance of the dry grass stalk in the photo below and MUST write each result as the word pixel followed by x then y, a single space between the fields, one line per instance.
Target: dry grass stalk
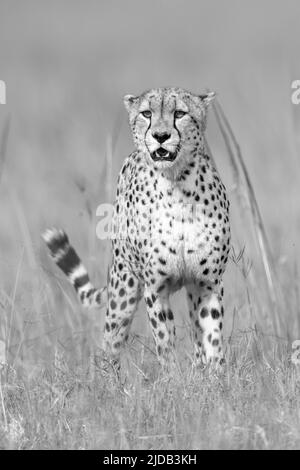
pixel 3 144
pixel 245 189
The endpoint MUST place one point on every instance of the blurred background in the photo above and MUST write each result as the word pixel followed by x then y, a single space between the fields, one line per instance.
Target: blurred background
pixel 64 135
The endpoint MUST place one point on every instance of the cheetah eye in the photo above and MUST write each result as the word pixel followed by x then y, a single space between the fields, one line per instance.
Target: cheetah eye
pixel 179 114
pixel 147 114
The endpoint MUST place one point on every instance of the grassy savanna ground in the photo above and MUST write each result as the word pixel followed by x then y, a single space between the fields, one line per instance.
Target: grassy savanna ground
pixel 67 66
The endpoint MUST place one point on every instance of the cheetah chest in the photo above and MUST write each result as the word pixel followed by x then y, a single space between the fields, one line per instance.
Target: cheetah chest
pixel 185 240
pixel 186 244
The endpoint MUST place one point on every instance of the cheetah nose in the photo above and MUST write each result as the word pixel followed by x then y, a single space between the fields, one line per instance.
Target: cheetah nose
pixel 161 137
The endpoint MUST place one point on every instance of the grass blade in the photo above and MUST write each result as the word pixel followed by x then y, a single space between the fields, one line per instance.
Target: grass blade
pixel 241 176
pixel 3 144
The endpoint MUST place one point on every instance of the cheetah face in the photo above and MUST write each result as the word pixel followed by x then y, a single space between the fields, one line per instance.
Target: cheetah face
pixel 167 123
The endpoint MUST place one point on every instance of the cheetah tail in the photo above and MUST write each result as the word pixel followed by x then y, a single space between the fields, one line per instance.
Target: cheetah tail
pixel 69 262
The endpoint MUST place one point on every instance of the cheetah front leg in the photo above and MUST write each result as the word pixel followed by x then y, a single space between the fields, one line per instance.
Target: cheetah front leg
pixel 162 324
pixel 194 301
pixel 206 312
pixel 124 292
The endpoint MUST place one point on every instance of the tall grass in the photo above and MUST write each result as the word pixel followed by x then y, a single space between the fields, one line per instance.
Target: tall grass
pixel 3 144
pixel 247 200
pixel 60 155
pixel 67 401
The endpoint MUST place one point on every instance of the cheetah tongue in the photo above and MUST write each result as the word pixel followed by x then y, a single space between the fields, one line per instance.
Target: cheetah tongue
pixel 162 152
pixel 162 155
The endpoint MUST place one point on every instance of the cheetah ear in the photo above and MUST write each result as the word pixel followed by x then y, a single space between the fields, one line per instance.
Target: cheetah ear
pixel 129 101
pixel 207 98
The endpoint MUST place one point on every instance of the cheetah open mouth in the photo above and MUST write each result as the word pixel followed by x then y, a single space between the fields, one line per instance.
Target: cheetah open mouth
pixel 162 155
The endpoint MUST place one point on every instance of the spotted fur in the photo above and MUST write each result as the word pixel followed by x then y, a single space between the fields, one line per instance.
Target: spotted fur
pixel 171 229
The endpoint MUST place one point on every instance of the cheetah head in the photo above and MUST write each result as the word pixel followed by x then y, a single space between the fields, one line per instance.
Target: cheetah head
pixel 168 124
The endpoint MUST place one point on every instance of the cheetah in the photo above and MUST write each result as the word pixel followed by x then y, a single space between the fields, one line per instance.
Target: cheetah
pixel 171 230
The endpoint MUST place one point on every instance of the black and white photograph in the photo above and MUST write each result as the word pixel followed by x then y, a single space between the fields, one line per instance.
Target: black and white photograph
pixel 150 227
